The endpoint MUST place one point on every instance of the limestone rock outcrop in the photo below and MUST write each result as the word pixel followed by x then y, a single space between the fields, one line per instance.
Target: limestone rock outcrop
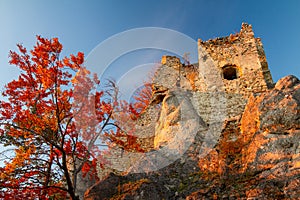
pixel 256 156
pixel 219 129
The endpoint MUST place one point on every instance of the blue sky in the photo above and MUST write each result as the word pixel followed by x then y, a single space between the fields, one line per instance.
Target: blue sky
pixel 82 25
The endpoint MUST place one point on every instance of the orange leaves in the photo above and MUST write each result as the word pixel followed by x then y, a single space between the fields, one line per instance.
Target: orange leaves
pixel 49 45
pixel 66 61
pixel 21 155
pixel 37 117
pixel 51 114
pixel 57 47
pixel 90 168
pixel 127 142
pixel 124 116
pixel 81 79
pixel 79 59
pixel 68 147
pixel 6 112
pixel 96 79
pixel 45 77
pixel 142 100
pixel 22 49
pixel 105 107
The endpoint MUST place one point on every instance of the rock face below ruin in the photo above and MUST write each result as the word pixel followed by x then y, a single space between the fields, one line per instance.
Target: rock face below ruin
pixel 257 155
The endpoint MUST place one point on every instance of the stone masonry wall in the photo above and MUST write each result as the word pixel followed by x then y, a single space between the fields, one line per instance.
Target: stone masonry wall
pixel 244 52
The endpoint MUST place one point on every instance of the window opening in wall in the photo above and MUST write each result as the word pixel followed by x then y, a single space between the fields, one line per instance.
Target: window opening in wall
pixel 230 72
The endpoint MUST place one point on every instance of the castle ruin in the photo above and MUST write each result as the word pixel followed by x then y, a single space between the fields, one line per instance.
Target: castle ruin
pixel 229 70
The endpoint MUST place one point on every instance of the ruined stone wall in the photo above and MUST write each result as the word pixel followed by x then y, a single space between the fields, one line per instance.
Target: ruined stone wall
pixel 208 105
pixel 244 52
pixel 171 74
pixel 264 63
pixel 145 126
pixel 241 51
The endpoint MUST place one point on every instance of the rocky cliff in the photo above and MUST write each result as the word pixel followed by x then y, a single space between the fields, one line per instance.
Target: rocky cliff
pixel 219 129
pixel 255 156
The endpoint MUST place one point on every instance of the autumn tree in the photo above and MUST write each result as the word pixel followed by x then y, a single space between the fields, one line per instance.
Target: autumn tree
pixel 127 113
pixel 124 116
pixel 141 99
pixel 52 115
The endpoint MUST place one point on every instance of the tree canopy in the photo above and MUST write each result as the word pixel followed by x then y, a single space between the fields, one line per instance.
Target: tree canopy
pixel 52 115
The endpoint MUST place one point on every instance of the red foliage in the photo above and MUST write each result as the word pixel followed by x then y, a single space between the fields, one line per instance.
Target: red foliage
pixel 52 116
pixel 43 119
pixel 125 117
pixel 141 100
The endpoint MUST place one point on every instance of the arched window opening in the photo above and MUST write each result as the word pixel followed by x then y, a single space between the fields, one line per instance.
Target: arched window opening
pixel 230 72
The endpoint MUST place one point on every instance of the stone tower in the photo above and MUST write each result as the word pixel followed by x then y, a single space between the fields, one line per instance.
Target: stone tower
pixel 229 70
pixel 239 60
